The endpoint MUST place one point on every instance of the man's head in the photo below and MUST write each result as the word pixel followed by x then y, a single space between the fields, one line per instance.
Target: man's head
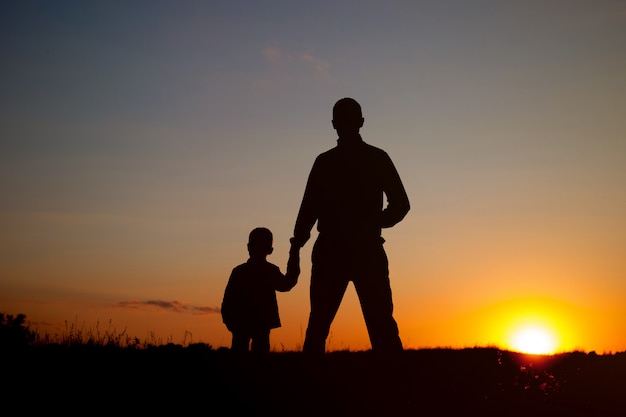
pixel 347 117
pixel 260 242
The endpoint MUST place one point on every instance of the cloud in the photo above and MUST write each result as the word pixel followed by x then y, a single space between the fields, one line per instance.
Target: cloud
pixel 272 54
pixel 300 63
pixel 175 306
pixel 321 65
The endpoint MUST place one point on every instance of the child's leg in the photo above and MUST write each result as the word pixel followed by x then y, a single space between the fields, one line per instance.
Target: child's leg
pixel 241 342
pixel 261 341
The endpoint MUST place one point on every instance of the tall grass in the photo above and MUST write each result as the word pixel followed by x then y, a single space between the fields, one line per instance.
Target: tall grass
pixel 15 331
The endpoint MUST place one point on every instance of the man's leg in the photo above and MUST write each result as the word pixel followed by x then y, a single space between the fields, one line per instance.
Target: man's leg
pixel 326 293
pixel 241 342
pixel 374 291
pixel 261 341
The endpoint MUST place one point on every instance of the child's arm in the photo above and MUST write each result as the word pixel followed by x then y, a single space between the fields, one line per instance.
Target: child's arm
pixel 293 264
pixel 227 302
pixel 290 279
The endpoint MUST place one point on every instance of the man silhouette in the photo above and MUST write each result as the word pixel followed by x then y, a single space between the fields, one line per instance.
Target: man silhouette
pixel 344 195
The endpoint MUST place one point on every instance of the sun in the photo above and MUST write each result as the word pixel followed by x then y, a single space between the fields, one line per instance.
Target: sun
pixel 533 339
pixel 532 325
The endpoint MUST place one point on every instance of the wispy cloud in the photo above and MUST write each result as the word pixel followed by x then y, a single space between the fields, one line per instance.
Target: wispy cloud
pixel 321 65
pixel 272 54
pixel 303 62
pixel 174 305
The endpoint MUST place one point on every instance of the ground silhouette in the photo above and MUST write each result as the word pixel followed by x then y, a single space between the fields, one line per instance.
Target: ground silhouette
pixel 197 378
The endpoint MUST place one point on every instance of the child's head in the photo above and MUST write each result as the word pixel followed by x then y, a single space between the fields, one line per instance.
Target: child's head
pixel 260 242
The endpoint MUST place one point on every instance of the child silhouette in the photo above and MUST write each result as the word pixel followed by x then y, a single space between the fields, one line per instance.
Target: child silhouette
pixel 249 307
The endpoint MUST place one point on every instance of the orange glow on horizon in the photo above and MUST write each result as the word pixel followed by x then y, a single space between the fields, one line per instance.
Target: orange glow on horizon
pixel 531 325
pixel 537 328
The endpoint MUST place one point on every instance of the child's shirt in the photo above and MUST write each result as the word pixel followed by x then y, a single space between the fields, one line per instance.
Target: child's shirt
pixel 249 302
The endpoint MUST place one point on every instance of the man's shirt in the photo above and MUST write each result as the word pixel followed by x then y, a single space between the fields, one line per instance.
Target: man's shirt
pixel 345 195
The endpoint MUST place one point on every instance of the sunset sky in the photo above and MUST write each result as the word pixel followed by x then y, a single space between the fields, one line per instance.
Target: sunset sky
pixel 141 141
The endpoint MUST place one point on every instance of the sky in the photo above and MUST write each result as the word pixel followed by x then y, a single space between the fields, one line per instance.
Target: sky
pixel 141 141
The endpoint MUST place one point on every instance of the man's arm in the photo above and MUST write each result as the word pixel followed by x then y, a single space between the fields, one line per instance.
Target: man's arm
pixel 397 199
pixel 308 213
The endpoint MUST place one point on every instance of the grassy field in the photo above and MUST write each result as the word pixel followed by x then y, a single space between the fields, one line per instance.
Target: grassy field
pixel 105 372
pixel 98 379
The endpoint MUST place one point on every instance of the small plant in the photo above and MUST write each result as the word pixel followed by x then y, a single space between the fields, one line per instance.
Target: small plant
pixel 14 331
